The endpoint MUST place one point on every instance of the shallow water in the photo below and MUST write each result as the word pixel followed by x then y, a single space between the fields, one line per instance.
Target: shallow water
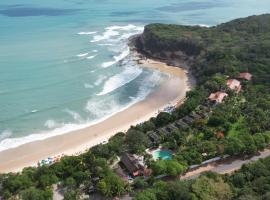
pixel 65 64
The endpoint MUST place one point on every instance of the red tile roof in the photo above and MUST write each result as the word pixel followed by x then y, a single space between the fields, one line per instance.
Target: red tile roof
pixel 234 84
pixel 218 96
pixel 220 134
pixel 246 76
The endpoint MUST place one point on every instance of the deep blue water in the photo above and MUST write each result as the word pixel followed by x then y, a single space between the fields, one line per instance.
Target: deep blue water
pixel 64 64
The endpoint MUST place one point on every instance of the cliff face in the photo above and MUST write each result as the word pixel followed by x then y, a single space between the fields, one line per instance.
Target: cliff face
pixel 155 44
pixel 229 48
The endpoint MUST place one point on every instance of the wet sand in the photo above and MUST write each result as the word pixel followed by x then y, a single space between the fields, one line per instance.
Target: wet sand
pixel 171 92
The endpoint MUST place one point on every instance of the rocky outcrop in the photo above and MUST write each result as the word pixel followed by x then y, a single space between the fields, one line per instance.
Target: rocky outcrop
pixel 172 50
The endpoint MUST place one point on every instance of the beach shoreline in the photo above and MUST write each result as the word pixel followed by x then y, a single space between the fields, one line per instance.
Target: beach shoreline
pixel 170 93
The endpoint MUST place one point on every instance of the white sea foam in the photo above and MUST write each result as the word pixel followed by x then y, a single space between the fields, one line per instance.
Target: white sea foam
pixel 5 134
pixel 100 80
pixel 114 36
pixel 105 36
pixel 87 33
pixel 117 58
pixel 91 57
pixel 113 31
pixel 15 142
pixel 105 44
pixel 82 54
pixel 119 80
pixel 125 28
pixel 204 25
pixel 95 51
pixel 102 109
pixel 201 25
pixel 76 116
pixel 50 124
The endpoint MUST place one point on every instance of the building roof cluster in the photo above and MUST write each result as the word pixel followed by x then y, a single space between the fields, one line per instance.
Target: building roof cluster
pixel 233 84
pixel 157 136
pixel 134 164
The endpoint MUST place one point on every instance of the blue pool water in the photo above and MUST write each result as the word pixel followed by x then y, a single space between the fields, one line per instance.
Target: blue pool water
pixel 65 64
pixel 162 154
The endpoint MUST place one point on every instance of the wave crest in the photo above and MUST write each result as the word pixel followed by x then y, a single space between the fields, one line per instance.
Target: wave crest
pixel 119 80
pixel 5 134
pixel 87 33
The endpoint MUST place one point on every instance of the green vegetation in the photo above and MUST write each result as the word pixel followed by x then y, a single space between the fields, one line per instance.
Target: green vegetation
pixel 229 48
pixel 252 181
pixel 243 119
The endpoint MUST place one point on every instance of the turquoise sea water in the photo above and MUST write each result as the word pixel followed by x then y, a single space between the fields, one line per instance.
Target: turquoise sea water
pixel 65 64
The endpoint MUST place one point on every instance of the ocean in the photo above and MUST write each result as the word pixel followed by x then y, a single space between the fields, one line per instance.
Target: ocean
pixel 65 64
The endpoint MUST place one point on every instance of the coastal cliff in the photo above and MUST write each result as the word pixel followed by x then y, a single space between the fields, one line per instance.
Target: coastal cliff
pixel 169 47
pixel 228 48
pixel 195 133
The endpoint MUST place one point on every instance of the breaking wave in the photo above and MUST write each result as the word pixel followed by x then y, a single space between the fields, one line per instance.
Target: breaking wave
pixel 106 35
pixel 82 54
pixel 119 80
pixel 114 39
pixel 117 58
pixel 5 134
pixel 91 57
pixel 87 33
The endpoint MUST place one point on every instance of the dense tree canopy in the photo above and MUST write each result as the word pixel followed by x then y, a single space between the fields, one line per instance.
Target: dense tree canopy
pixel 239 126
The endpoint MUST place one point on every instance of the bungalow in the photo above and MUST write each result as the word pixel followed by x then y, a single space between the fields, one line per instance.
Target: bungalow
pixel 195 116
pixel 203 108
pixel 163 131
pixel 247 76
pixel 203 114
pixel 132 164
pixel 154 138
pixel 234 84
pixel 180 124
pixel 188 119
pixel 217 97
pixel 171 128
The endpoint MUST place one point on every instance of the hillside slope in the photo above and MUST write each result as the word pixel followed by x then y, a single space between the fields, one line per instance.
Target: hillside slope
pixel 239 45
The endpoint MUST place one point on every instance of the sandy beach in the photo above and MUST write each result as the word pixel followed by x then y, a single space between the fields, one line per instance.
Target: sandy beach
pixel 171 92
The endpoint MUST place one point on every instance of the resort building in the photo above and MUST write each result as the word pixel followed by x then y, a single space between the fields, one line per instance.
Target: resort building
pixel 234 84
pixel 247 76
pixel 171 128
pixel 180 124
pixel 203 114
pixel 195 116
pixel 133 163
pixel 154 138
pixel 217 97
pixel 188 119
pixel 163 131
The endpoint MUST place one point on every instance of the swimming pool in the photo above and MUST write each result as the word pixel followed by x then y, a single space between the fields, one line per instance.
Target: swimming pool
pixel 162 154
